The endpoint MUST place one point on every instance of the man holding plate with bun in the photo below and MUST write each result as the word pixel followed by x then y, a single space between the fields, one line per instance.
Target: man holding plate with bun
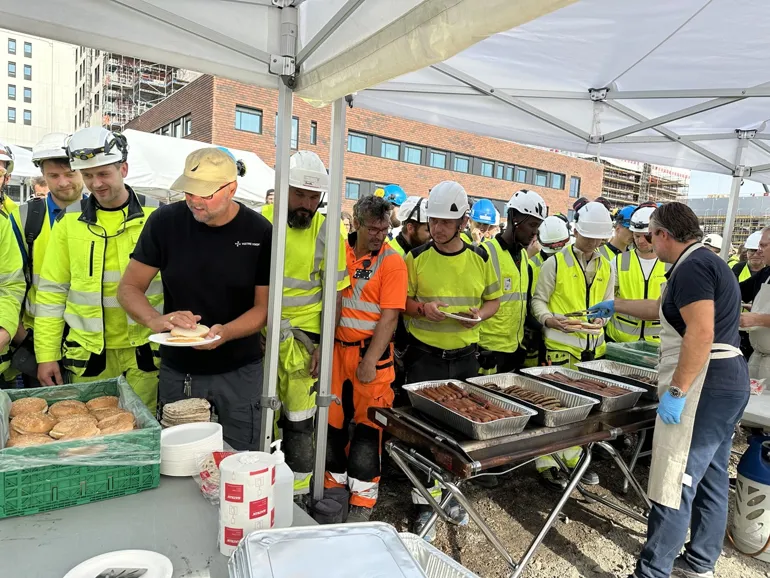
pixel 214 257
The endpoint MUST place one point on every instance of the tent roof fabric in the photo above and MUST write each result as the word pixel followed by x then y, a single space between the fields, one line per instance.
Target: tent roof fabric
pixel 659 60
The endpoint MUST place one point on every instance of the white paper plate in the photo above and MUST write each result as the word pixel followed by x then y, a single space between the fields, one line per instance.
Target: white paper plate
pixel 461 318
pixel 158 566
pixel 190 435
pixel 162 339
pixel 178 469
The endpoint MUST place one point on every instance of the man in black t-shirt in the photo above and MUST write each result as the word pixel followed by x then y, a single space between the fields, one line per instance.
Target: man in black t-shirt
pixel 214 257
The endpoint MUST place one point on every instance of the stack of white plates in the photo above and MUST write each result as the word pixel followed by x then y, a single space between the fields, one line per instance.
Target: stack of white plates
pixel 181 446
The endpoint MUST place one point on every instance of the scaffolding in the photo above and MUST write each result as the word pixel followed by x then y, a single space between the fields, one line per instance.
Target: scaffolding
pixel 627 183
pixel 753 215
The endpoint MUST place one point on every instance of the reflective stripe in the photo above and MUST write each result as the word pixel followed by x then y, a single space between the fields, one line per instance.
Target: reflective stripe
pixel 341 275
pixel 368 490
pixel 111 302
pixel 50 287
pixel 301 300
pixel 440 327
pixel 15 277
pixel 35 279
pixel 625 261
pixel 92 324
pixel 291 283
pixel 568 258
pixel 111 276
pixel 361 305
pixel 452 301
pixel 85 298
pixel 354 323
pixel 155 288
pixel 626 327
pixel 573 339
pixel 493 288
pixel 537 260
pixel 320 243
pixel 513 297
pixel 43 310
pixel 296 416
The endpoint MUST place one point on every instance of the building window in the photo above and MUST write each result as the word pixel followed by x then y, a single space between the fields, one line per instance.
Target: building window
pixel 352 190
pixel 486 169
pixel 356 143
pixel 294 133
pixel 541 179
pixel 313 132
pixel 11 46
pixel 574 187
pixel 28 49
pixel 557 181
pixel 461 164
pixel 11 69
pixel 186 122
pixel 438 160
pixel 27 117
pixel 11 114
pixel 248 119
pixel 96 101
pixel 27 94
pixel 521 175
pixel 75 126
pixel 97 75
pixel 27 72
pixel 390 150
pixel 11 92
pixel 508 173
pixel 412 155
pixel 499 171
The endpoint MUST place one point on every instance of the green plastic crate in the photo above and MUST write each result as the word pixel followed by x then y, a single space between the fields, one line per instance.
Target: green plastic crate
pixel 62 474
pixel 641 353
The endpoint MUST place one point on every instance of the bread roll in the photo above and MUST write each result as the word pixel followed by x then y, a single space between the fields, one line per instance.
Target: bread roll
pixel 70 424
pixel 28 405
pixel 119 428
pixel 100 414
pixel 33 423
pixel 199 331
pixel 84 430
pixel 68 407
pixel 102 402
pixel 117 419
pixel 28 440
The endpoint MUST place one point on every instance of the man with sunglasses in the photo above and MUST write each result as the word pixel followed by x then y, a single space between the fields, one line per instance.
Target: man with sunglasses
pixel 78 320
pixel 214 257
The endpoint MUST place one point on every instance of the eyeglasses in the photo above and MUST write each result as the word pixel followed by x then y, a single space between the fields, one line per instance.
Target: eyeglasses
pixel 376 230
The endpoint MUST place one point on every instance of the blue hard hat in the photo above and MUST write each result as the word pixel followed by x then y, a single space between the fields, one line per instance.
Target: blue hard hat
pixel 483 211
pixel 395 195
pixel 623 216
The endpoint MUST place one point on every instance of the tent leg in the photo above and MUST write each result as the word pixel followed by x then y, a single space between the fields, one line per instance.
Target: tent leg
pixel 269 399
pixel 744 136
pixel 329 316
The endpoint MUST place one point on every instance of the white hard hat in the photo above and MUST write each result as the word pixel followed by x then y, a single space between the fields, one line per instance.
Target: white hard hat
pixel 528 203
pixel 713 240
pixel 307 171
pixel 640 220
pixel 51 146
pixel 96 146
pixel 413 209
pixel 6 154
pixel 593 221
pixel 553 231
pixel 752 243
pixel 447 200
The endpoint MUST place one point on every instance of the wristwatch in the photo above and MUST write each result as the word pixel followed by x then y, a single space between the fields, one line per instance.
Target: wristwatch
pixel 676 392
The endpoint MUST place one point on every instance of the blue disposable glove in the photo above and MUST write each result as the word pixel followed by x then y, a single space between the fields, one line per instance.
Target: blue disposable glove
pixel 670 408
pixel 604 309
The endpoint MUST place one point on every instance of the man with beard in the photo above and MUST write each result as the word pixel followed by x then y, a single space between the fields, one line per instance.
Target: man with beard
pixel 500 341
pixel 38 217
pixel 301 309
pixel 213 255
pixel 414 226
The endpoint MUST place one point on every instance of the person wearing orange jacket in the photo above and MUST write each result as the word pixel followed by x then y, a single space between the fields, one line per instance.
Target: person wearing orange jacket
pixel 363 356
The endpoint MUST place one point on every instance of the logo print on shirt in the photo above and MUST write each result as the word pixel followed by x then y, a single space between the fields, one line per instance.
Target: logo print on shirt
pixel 246 244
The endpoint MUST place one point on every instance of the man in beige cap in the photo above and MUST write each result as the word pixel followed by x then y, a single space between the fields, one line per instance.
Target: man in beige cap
pixel 214 257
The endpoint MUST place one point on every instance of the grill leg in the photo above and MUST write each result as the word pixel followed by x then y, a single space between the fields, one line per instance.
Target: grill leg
pixel 635 457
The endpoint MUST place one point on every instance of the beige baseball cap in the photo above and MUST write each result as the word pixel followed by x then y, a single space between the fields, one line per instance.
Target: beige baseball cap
pixel 205 172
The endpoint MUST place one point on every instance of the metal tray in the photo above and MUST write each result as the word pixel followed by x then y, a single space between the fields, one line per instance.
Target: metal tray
pixel 323 551
pixel 607 404
pixel 473 429
pixel 433 561
pixel 624 372
pixel 578 406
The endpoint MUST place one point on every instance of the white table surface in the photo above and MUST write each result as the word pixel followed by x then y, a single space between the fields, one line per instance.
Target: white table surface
pixel 174 519
pixel 757 411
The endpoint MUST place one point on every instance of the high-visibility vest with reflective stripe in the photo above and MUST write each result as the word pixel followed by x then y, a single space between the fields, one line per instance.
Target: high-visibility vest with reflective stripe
pixel 733 261
pixel 12 282
pixel 631 284
pixel 536 262
pixel 607 253
pixel 504 331
pixel 572 293
pixel 303 272
pixel 73 273
pixel 396 246
pixel 745 273
pixel 361 300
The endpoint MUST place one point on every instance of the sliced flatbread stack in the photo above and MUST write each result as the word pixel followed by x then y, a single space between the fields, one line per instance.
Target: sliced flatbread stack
pixel 186 411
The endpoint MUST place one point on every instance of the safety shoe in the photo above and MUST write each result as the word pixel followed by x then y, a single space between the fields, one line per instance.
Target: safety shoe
pixel 423 516
pixel 683 570
pixel 590 478
pixel 359 514
pixel 552 479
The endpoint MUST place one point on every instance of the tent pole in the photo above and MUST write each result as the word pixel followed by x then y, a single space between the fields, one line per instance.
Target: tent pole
pixel 329 316
pixel 744 136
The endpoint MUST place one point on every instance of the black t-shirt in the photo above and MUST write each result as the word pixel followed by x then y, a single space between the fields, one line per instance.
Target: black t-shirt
pixel 750 287
pixel 704 276
pixel 211 271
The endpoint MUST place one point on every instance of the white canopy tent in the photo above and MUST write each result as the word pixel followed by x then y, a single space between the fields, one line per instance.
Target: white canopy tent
pixel 155 161
pixel 683 83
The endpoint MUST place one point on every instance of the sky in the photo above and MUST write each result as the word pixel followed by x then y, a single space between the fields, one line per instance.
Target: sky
pixel 704 184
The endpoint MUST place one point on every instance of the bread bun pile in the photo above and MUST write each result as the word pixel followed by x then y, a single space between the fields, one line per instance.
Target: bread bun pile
pixel 195 335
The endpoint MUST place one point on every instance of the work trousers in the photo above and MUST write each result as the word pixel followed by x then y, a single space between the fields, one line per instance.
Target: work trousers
pixel 423 366
pixel 234 395
pixel 705 492
pixel 354 461
pixel 493 362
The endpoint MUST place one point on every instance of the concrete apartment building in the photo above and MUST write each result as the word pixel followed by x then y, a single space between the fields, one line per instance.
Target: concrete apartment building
pixel 753 215
pixel 632 183
pixel 381 149
pixel 36 92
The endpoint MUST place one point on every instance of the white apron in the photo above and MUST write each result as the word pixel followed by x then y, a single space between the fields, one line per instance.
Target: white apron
pixel 671 443
pixel 759 363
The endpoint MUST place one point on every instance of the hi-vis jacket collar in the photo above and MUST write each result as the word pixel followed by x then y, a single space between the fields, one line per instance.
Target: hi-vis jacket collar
pixel 89 207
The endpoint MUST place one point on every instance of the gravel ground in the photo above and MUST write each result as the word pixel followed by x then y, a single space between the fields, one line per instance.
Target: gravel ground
pixel 590 541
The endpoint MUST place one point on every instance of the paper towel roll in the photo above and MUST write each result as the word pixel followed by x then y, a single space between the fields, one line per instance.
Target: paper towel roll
pixel 245 497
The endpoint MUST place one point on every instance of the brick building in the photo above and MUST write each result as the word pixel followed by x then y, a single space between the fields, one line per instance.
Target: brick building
pixel 381 149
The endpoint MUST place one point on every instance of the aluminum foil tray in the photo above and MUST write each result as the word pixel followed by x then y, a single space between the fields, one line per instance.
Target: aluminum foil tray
pixel 578 406
pixel 433 561
pixel 624 372
pixel 472 429
pixel 607 404
pixel 325 551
